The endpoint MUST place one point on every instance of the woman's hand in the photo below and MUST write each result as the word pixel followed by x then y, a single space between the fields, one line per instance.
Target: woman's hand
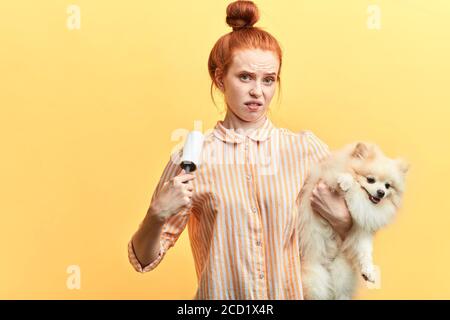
pixel 332 207
pixel 173 197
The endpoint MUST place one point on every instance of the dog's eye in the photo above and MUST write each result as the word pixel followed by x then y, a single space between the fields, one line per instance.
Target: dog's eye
pixel 370 180
pixel 387 185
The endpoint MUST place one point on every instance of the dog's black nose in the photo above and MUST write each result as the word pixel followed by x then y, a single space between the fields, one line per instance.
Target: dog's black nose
pixel 380 193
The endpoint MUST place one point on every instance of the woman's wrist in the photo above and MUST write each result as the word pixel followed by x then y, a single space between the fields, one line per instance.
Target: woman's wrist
pixel 342 227
pixel 154 216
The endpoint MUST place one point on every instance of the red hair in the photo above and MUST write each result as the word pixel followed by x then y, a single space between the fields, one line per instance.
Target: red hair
pixel 241 16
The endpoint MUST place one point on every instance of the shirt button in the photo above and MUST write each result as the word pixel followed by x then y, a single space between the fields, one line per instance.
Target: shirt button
pixel 258 243
pixel 254 209
pixel 249 177
pixel 261 276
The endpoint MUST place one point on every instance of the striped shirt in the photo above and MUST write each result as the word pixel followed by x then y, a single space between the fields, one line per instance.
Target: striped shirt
pixel 241 223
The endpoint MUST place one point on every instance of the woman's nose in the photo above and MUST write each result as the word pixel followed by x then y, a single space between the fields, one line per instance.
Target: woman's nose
pixel 256 91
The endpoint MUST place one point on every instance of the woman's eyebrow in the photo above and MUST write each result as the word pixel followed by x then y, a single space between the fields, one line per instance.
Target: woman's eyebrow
pixel 252 73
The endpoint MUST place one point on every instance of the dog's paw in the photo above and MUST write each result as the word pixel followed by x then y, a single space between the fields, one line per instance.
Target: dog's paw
pixel 368 273
pixel 345 181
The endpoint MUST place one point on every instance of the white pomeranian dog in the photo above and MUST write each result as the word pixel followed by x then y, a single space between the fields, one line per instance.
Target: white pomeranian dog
pixel 372 186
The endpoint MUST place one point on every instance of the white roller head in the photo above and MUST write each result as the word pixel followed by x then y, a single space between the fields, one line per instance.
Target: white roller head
pixel 192 150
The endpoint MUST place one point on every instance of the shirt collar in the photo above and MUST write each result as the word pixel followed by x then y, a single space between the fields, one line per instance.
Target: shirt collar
pixel 235 136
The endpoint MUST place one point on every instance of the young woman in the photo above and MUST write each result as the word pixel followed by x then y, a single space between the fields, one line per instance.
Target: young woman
pixel 239 205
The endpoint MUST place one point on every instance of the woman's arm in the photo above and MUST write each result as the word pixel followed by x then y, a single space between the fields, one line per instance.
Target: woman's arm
pixel 146 241
pixel 333 208
pixel 173 197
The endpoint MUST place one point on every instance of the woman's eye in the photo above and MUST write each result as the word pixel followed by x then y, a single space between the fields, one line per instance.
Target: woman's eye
pixel 387 185
pixel 244 76
pixel 270 80
pixel 370 180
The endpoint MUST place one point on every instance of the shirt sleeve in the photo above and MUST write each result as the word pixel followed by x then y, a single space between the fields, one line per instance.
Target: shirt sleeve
pixel 317 149
pixel 174 225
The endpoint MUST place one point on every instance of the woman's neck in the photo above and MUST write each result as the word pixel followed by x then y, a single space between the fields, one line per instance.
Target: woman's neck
pixel 231 121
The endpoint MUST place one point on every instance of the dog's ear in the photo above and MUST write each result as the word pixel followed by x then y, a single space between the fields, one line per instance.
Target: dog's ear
pixel 403 165
pixel 361 151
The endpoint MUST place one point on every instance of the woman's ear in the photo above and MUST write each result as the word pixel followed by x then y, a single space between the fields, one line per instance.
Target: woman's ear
pixel 218 79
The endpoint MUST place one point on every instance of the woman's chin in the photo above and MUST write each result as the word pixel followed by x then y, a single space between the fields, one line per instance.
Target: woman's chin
pixel 252 116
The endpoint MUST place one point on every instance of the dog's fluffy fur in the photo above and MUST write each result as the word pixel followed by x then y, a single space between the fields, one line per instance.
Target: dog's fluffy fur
pixel 361 173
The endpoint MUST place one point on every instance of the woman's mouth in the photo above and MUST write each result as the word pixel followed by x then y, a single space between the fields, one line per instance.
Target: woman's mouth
pixel 253 106
pixel 374 200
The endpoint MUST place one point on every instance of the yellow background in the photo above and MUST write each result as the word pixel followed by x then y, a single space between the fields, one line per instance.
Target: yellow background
pixel 87 118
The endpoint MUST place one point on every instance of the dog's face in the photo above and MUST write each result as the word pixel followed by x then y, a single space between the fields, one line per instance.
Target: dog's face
pixel 381 178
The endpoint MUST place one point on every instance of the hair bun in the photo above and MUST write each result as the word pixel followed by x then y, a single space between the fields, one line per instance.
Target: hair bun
pixel 242 14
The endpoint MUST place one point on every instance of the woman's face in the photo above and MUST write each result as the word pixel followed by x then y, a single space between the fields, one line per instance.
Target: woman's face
pixel 252 77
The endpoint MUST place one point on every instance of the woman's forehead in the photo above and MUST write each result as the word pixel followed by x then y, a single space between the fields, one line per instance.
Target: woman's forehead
pixel 255 60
